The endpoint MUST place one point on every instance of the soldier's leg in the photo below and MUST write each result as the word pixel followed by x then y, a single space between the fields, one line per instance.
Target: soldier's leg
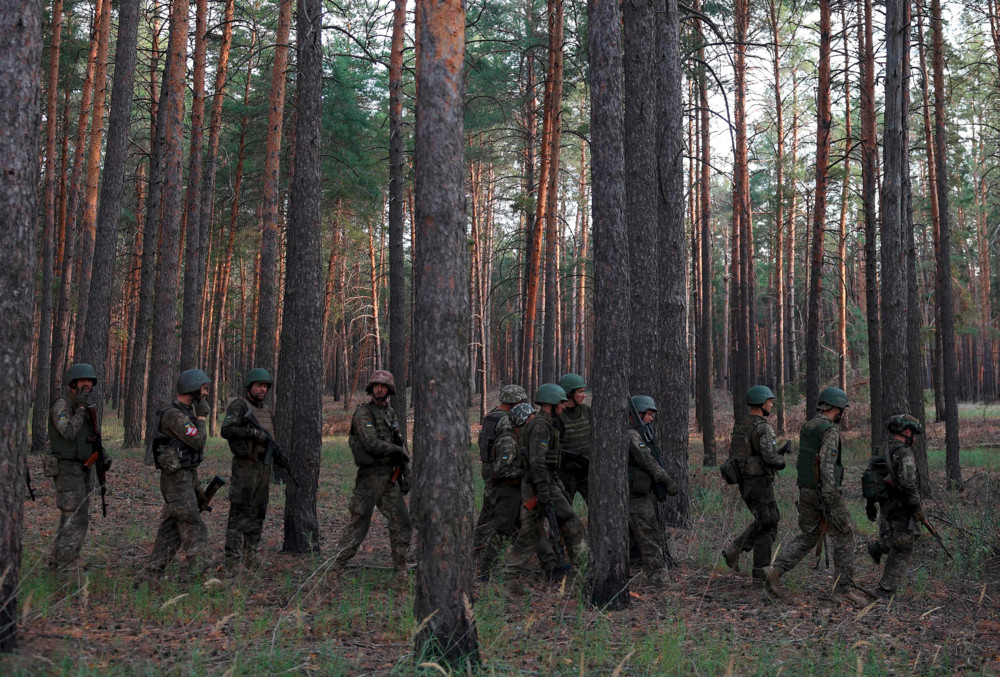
pixel 569 481
pixel 168 538
pixel 900 550
pixel 484 525
pixel 745 541
pixel 571 529
pixel 258 509
pixel 240 510
pixel 809 533
pixel 766 516
pixel 367 488
pixel 840 536
pixel 392 504
pixel 530 538
pixel 643 523
pixel 73 486
pixel 508 506
pixel 182 502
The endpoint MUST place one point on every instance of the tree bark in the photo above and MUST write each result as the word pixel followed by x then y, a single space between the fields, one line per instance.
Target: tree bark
pixel 20 120
pixel 842 230
pixel 779 226
pixel 397 262
pixel 706 348
pixel 550 344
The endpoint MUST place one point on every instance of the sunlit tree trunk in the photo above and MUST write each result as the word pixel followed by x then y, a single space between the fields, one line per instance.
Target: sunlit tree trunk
pixel 397 274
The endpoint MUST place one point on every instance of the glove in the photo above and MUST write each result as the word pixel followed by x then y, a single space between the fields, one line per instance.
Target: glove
pixel 919 515
pixel 202 408
pixel 542 494
pixel 404 481
pixel 260 437
pixel 871 511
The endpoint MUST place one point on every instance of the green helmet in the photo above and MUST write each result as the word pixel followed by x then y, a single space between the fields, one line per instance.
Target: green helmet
pixel 80 370
pixel 571 382
pixel 513 394
pixel 758 395
pixel 257 375
pixel 643 403
pixel 191 381
pixel 900 422
pixel 520 414
pixel 550 393
pixel 832 397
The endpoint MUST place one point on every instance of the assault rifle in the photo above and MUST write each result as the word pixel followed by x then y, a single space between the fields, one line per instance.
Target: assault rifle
pixel 556 538
pixel 646 431
pixel 27 480
pixel 273 456
pixel 206 498
pixel 98 459
pixel 935 534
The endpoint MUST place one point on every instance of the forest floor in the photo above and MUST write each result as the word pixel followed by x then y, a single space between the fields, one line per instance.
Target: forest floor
pixel 709 620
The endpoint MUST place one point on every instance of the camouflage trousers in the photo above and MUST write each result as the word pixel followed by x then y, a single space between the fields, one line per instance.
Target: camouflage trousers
pixel 895 540
pixel 484 525
pixel 249 493
pixel 532 538
pixel 573 474
pixel 180 523
pixel 758 494
pixel 840 536
pixel 74 484
pixel 507 509
pixel 645 529
pixel 373 489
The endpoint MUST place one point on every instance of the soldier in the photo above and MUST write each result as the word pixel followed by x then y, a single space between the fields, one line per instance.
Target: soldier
pixel 575 427
pixel 541 482
pixel 383 476
pixel 821 507
pixel 494 424
pixel 643 474
pixel 179 435
pixel 249 428
pixel 506 473
pixel 72 436
pixel 901 508
pixel 758 460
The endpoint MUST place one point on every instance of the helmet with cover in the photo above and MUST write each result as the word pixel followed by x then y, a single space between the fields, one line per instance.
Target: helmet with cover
pixel 383 377
pixel 900 423
pixel 520 414
pixel 513 394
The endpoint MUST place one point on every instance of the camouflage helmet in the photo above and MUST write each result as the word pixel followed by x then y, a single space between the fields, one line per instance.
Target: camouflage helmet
pixel 513 394
pixel 191 381
pixel 571 382
pixel 77 371
pixel 899 423
pixel 643 403
pixel 520 414
pixel 550 393
pixel 758 395
pixel 257 375
pixel 385 378
pixel 832 397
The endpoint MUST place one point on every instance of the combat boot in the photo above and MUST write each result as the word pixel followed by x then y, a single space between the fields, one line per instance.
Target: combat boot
pixel 882 593
pixel 850 595
pixel 732 556
pixel 875 551
pixel 772 579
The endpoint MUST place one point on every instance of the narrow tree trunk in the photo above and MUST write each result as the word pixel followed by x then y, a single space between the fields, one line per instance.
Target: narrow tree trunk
pixel 842 230
pixel 706 347
pixel 550 357
pixel 581 265
pixel 779 203
pixel 397 167
pixel 791 346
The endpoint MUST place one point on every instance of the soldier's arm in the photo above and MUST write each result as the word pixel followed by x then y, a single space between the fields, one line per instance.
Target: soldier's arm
pixel 827 460
pixel 66 420
pixel 364 427
pixel 538 449
pixel 642 456
pixel 235 426
pixel 768 451
pixel 906 478
pixel 175 423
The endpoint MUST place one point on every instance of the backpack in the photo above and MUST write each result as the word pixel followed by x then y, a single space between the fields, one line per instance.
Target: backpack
pixel 875 479
pixel 488 435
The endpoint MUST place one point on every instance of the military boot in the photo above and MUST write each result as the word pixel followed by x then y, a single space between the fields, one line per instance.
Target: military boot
pixel 875 551
pixel 849 594
pixel 882 593
pixel 732 556
pixel 772 579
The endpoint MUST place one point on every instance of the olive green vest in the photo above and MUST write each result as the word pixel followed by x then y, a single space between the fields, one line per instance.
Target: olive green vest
pixel 76 449
pixel 745 446
pixel 552 456
pixel 576 430
pixel 810 440
pixel 385 425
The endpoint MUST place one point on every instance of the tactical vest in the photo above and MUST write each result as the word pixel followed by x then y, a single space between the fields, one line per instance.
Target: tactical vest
pixel 745 447
pixel 262 414
pixel 76 449
pixel 507 460
pixel 488 434
pixel 810 441
pixel 576 430
pixel 552 453
pixel 640 482
pixel 188 456
pixel 385 430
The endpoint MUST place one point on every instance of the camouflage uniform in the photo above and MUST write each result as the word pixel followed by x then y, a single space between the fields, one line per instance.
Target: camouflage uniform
pixel 250 483
pixel 507 473
pixel 494 423
pixel 179 449
pixel 70 434
pixel 375 445
pixel 575 428
pixel 540 480
pixel 899 512
pixel 643 523
pixel 821 437
pixel 758 460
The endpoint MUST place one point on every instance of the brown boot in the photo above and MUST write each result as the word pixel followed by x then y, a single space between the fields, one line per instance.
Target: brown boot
pixel 732 556
pixel 772 579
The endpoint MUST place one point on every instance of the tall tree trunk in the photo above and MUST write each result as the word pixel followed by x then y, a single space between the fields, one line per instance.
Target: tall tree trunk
pixel 779 204
pixel 267 306
pixel 550 357
pixel 608 573
pixel 706 347
pixel 791 346
pixel 40 408
pixel 97 333
pixel 397 261
pixel 581 264
pixel 842 230
pixel 20 118
pixel 953 465
pixel 823 121
pixel 193 272
pixel 443 500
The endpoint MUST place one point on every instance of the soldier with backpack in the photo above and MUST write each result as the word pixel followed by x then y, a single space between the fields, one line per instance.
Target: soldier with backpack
pixel 494 424
pixel 575 425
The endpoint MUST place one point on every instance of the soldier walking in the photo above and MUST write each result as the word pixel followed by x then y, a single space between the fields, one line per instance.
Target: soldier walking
pixel 494 424
pixel 575 425
pixel 757 460
pixel 643 474
pixel 249 429
pixel 179 435
pixel 541 482
pixel 901 508
pixel 72 436
pixel 821 507
pixel 383 476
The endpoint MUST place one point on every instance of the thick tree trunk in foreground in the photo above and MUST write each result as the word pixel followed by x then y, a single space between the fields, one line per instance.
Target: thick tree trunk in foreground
pixel 608 506
pixel 20 121
pixel 397 273
pixel 443 497
pixel 300 381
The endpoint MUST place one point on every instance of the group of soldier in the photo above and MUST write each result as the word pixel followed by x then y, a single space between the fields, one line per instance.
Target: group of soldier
pixel 535 460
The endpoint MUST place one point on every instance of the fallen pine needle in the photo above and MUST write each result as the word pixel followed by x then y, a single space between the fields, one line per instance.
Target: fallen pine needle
pixel 171 602
pixel 928 613
pixel 865 611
